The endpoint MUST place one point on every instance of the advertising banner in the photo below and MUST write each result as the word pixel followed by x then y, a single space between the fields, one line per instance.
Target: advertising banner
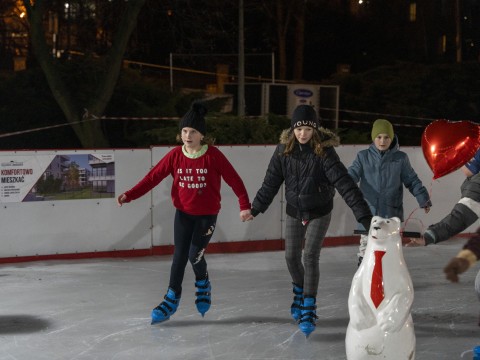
pixel 54 177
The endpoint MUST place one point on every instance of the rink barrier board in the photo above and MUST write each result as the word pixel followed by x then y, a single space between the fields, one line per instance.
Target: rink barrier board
pixel 93 228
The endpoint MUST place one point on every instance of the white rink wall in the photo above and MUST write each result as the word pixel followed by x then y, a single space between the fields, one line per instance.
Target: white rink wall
pixel 99 225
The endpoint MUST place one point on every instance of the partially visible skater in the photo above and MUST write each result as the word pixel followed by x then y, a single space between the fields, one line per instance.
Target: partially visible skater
pixel 464 260
pixel 197 169
pixel 464 214
pixel 307 163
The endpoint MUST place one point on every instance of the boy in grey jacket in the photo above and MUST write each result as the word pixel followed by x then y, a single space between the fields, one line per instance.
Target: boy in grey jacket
pixel 382 170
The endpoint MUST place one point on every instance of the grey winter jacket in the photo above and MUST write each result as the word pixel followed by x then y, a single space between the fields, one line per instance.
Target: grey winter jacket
pixel 382 178
pixel 463 214
pixel 310 181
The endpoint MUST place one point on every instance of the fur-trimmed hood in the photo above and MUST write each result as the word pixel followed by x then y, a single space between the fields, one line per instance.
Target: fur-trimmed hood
pixel 329 138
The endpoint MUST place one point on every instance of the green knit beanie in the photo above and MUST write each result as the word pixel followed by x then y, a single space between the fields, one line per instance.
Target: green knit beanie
pixel 382 126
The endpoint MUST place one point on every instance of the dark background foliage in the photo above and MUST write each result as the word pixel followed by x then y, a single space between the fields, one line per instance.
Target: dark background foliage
pixel 409 95
pixel 403 68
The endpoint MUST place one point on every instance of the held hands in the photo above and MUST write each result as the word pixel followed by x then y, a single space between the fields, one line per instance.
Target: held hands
pixel 455 267
pixel 246 215
pixel 121 199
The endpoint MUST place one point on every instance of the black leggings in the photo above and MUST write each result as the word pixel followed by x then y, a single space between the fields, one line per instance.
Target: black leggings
pixel 192 233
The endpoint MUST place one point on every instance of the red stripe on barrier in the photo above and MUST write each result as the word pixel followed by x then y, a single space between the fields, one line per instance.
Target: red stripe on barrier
pixel 213 248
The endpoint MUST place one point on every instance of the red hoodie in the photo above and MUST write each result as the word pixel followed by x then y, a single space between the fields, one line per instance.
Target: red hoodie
pixel 196 182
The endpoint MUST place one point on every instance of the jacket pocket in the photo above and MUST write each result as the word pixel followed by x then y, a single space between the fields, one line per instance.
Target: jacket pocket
pixel 316 200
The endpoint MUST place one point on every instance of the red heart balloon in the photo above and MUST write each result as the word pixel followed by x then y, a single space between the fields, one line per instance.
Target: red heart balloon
pixel 448 145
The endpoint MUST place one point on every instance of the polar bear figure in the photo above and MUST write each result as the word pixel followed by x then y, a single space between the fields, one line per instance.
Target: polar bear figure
pixel 380 299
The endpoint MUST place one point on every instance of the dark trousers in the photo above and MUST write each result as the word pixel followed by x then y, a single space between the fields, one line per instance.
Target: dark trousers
pixel 192 233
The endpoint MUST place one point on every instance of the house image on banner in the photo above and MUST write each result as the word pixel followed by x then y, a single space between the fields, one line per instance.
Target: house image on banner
pixel 102 176
pixel 57 167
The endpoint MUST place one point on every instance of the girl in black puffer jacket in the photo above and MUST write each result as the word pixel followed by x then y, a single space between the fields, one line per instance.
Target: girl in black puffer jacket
pixel 306 161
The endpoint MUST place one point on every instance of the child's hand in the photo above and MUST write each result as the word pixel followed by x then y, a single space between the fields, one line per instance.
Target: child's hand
pixel 415 242
pixel 246 215
pixel 427 209
pixel 121 199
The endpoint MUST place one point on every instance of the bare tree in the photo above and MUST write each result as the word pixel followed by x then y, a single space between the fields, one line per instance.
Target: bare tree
pixel 89 133
pixel 289 17
pixel 299 41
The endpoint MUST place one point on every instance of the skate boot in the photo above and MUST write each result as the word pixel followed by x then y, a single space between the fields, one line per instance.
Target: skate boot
pixel 360 259
pixel 297 302
pixel 203 295
pixel 166 308
pixel 308 316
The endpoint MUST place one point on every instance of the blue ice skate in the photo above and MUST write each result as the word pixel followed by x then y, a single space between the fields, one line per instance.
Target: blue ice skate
pixel 297 302
pixel 166 308
pixel 308 317
pixel 203 295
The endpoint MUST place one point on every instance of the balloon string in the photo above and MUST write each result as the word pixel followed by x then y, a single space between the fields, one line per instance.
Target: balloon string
pixel 409 217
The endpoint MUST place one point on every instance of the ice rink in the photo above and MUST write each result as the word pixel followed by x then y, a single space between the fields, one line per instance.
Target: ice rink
pixel 100 309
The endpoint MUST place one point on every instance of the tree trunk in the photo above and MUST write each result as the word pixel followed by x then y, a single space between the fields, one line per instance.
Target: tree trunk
pixel 299 41
pixel 282 39
pixel 88 131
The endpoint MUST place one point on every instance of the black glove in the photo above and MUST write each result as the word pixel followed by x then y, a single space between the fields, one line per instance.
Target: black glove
pixel 366 222
pixel 254 212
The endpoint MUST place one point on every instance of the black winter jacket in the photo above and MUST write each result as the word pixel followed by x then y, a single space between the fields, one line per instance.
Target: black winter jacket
pixel 310 181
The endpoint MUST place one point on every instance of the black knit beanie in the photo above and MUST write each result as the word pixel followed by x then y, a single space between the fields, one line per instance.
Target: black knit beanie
pixel 195 118
pixel 304 115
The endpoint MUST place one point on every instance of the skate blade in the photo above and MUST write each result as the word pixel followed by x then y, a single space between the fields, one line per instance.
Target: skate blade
pixel 307 333
pixel 158 321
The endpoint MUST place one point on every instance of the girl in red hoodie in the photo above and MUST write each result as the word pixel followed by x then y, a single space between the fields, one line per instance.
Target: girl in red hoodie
pixel 197 169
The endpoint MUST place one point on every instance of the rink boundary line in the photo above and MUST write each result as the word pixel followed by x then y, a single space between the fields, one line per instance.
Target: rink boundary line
pixel 213 248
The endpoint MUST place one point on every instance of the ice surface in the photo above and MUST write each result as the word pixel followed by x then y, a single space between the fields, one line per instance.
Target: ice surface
pixel 100 309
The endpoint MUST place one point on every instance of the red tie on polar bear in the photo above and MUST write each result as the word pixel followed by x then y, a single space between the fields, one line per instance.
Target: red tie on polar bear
pixel 376 290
